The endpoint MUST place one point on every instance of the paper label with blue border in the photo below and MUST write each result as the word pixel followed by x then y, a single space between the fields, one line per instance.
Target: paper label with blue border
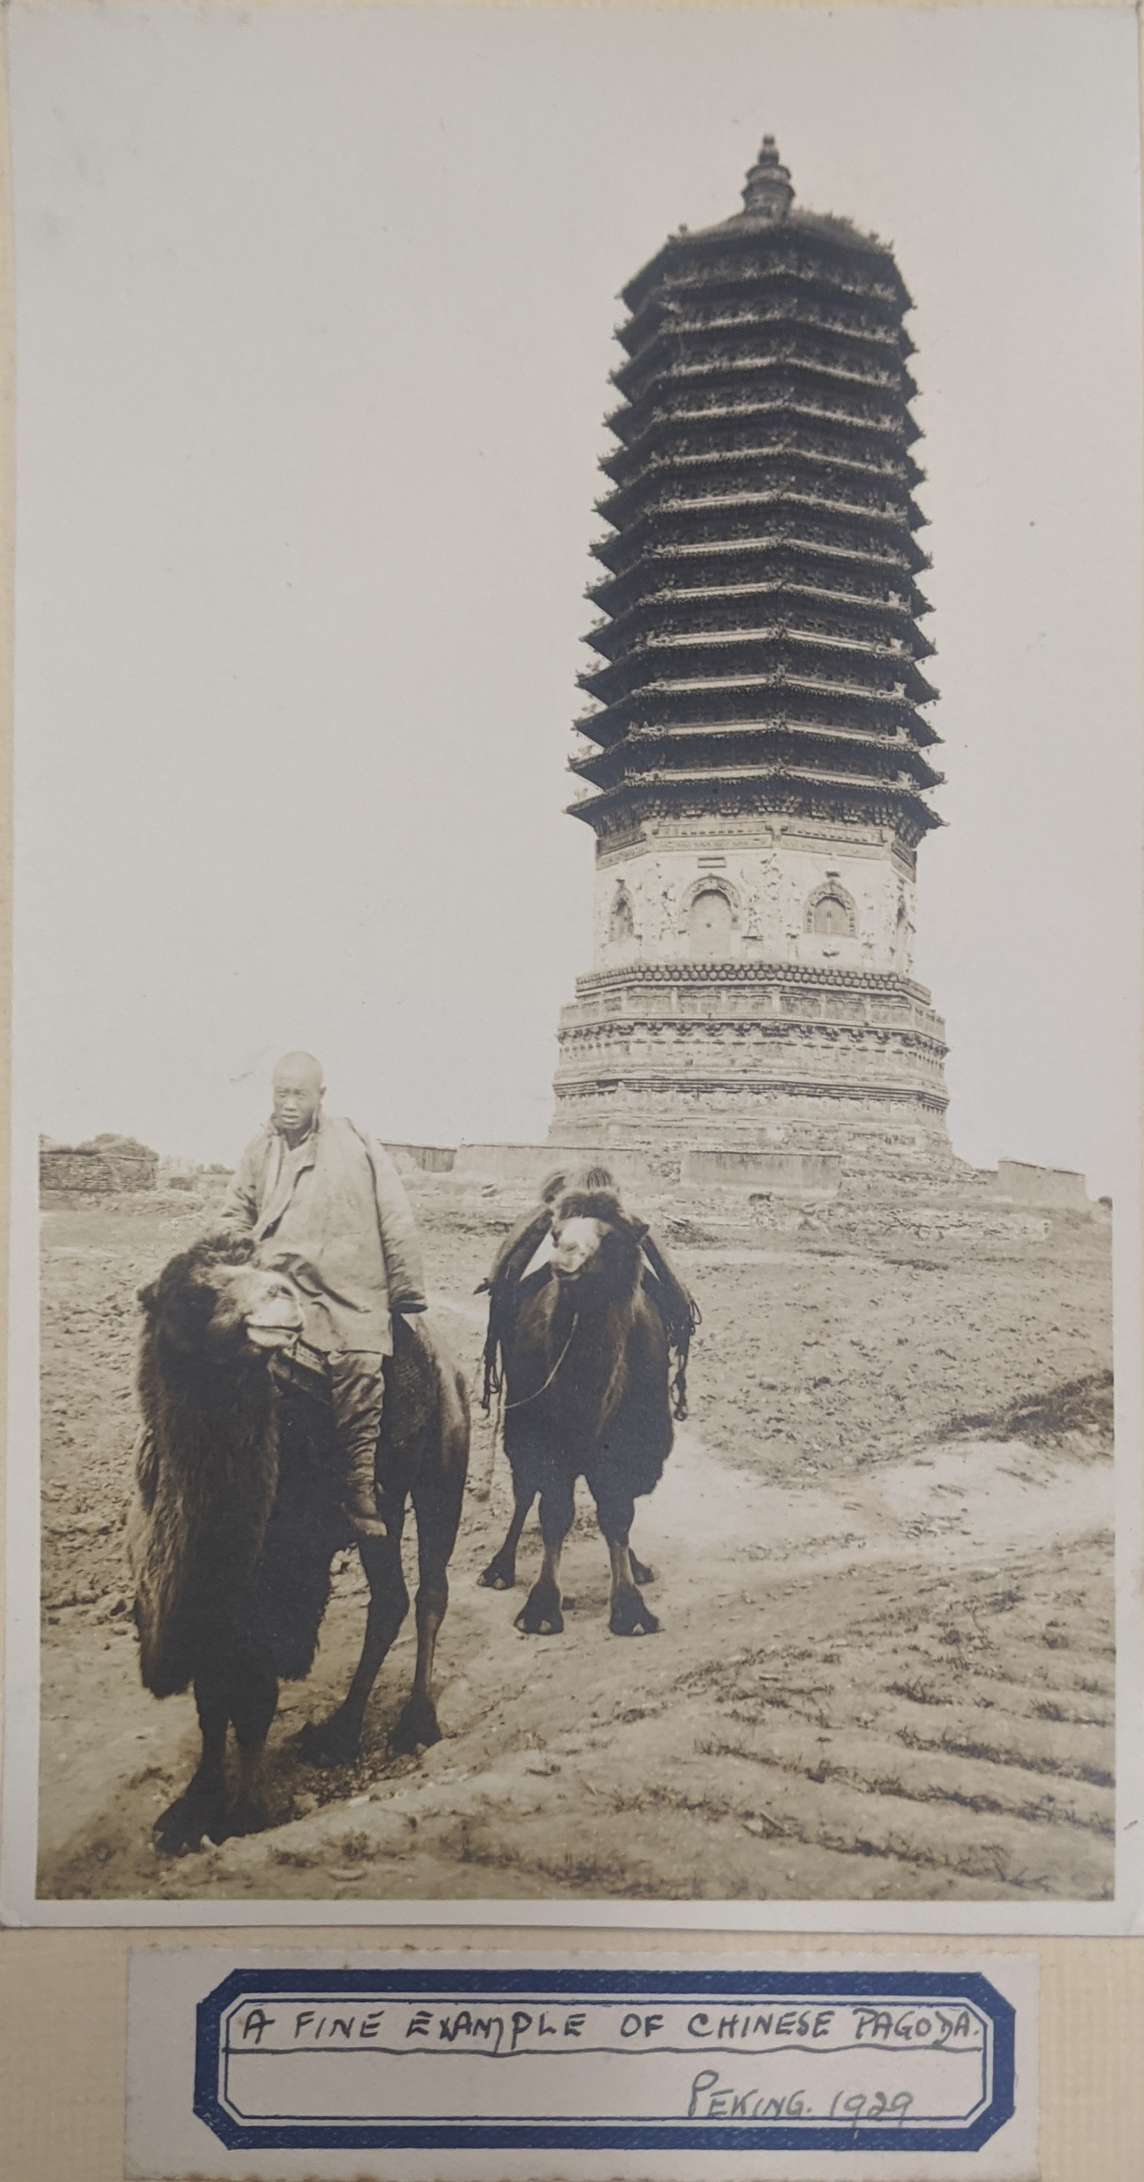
pixel 563 2066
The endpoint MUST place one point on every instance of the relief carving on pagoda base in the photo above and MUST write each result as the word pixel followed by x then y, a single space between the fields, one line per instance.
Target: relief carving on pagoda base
pixel 780 899
pixel 813 1052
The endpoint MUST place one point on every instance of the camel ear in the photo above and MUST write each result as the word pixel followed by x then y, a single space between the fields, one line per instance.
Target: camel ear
pixel 149 1298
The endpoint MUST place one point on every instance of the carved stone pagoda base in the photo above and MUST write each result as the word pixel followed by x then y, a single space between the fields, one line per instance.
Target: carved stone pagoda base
pixel 758 1056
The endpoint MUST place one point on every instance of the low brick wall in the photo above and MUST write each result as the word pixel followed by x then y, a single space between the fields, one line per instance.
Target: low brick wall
pixel 531 1164
pixel 793 1173
pixel 431 1158
pixel 1028 1185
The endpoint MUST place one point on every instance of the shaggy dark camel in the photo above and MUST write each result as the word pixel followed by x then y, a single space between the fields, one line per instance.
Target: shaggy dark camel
pixel 586 1367
pixel 236 1520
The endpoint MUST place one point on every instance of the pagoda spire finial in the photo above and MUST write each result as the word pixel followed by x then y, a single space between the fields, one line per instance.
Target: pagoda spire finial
pixel 768 193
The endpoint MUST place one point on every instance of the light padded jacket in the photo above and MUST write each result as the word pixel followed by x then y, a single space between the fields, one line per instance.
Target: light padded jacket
pixel 333 1214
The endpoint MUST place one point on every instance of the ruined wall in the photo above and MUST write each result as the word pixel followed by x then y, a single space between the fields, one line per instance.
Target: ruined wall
pixel 106 1165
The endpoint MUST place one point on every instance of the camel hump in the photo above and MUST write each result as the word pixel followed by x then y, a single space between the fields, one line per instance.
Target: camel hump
pixel 417 1378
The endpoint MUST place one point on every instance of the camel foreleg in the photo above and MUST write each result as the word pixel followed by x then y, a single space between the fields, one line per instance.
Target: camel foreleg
pixel 541 1613
pixel 201 1809
pixel 254 1702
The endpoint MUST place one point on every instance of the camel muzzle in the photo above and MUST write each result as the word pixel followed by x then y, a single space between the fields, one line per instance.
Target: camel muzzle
pixel 272 1336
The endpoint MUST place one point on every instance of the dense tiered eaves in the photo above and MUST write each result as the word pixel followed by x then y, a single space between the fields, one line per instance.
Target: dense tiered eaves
pixel 759 596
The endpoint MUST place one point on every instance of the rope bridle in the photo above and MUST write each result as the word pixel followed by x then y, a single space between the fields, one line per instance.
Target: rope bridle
pixel 527 1398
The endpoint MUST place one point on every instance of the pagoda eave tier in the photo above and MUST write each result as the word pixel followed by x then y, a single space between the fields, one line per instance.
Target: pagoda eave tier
pixel 858 754
pixel 838 575
pixel 756 519
pixel 785 787
pixel 690 660
pixel 756 702
pixel 693 352
pixel 860 492
pixel 682 453
pixel 770 309
pixel 779 395
pixel 716 613
pixel 823 446
pixel 805 242
pixel 696 354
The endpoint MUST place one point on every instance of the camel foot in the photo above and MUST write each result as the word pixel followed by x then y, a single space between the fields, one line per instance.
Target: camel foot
pixel 500 1575
pixel 247 1814
pixel 540 1615
pixel 416 1729
pixel 336 1741
pixel 189 1820
pixel 641 1573
pixel 629 1615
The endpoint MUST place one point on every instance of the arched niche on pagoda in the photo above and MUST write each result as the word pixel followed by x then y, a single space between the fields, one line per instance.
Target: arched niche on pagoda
pixel 831 912
pixel 711 919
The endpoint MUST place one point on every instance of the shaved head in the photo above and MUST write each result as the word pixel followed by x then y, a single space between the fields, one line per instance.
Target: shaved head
pixel 300 1068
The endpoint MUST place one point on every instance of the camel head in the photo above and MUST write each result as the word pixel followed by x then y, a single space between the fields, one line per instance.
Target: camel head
pixel 212 1294
pixel 596 1245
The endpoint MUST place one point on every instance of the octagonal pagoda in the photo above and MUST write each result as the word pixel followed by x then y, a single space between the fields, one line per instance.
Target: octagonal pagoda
pixel 756 760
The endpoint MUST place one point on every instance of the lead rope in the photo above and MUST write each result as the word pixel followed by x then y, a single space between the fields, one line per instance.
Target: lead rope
pixel 527 1398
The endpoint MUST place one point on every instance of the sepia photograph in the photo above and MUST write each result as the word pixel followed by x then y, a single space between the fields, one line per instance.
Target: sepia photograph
pixel 576 1223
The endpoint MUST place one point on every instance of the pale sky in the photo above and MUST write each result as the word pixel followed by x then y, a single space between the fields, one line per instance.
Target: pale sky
pixel 314 318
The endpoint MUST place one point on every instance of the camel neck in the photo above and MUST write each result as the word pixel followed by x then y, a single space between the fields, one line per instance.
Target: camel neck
pixel 593 1311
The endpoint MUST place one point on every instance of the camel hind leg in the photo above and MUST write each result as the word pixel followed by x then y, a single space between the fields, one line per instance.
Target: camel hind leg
pixel 500 1575
pixel 337 1740
pixel 438 1493
pixel 541 1613
pixel 629 1615
pixel 432 1465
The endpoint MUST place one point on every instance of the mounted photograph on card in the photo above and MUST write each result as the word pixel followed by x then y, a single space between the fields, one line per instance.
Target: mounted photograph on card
pixel 576 1218
pixel 277 2068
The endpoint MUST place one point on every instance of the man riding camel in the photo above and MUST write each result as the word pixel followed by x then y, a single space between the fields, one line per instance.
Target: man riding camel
pixel 325 1205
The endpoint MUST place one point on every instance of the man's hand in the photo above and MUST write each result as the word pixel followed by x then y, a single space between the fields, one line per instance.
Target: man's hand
pixel 366 1526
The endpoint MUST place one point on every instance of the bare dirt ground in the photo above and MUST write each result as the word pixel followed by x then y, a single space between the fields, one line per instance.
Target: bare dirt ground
pixel 883 1566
